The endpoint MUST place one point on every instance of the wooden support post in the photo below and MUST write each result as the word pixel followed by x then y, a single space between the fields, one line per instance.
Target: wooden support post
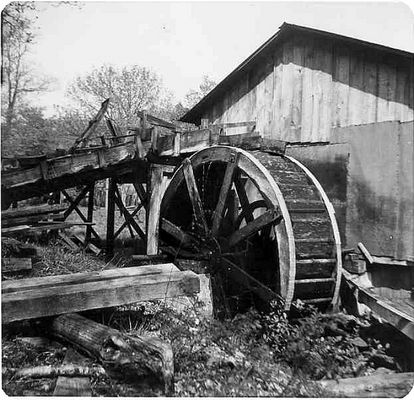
pixel 154 140
pixel 110 218
pixel 176 144
pixel 204 123
pixel 156 188
pixel 89 217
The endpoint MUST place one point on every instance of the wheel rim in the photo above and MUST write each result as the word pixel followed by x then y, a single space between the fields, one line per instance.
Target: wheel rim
pixel 204 185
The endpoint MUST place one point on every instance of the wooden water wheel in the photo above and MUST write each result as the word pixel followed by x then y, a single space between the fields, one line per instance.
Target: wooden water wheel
pixel 262 221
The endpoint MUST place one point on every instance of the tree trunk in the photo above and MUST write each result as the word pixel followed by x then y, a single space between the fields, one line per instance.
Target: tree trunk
pixel 118 352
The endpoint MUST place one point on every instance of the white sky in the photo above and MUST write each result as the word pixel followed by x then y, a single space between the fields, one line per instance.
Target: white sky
pixel 182 41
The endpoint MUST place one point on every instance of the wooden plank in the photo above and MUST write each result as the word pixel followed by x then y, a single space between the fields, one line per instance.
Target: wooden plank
pixel 395 385
pixel 15 264
pixel 68 241
pixel 48 301
pixel 110 218
pixel 365 253
pixel 32 210
pixel 30 229
pixel 79 278
pixel 73 386
pixel 253 227
pixel 89 216
pixel 31 219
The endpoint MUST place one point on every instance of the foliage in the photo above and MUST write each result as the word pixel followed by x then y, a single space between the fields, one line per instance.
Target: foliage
pixel 194 96
pixel 130 89
pixel 18 77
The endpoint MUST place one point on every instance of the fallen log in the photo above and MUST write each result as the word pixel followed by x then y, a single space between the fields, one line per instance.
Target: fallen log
pixel 381 385
pixel 51 371
pixel 119 353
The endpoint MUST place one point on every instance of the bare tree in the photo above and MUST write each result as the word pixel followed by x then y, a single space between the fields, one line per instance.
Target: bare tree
pixel 194 96
pixel 17 77
pixel 130 89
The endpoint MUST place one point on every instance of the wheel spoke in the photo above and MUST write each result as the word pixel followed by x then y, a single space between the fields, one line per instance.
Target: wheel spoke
pixel 183 238
pixel 194 196
pixel 224 192
pixel 253 227
pixel 243 278
pixel 244 201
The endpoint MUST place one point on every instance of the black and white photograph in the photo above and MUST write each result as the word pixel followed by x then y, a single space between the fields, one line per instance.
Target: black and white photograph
pixel 207 199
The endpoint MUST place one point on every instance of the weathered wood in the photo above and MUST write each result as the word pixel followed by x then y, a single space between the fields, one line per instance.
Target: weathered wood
pixel 75 386
pixel 177 233
pixel 54 300
pixel 194 196
pixel 110 218
pixel 315 267
pixel 395 385
pixel 224 192
pixel 32 210
pixel 85 277
pixel 31 229
pixel 68 241
pixel 89 216
pixel 236 124
pixel 23 183
pixel 93 124
pixel 365 253
pixel 157 121
pixel 128 217
pixel 31 219
pixel 147 257
pixel 385 308
pixel 14 248
pixel 253 227
pixel 132 357
pixel 157 185
pixel 15 264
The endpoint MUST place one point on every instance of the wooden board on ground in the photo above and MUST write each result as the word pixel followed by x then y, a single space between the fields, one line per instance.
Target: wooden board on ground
pixel 16 264
pixel 381 385
pixel 73 386
pixel 32 210
pixel 41 297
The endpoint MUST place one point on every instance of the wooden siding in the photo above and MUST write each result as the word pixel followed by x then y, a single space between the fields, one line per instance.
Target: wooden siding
pixel 306 86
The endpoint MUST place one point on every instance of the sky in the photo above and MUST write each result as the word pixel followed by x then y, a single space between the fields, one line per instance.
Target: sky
pixel 182 41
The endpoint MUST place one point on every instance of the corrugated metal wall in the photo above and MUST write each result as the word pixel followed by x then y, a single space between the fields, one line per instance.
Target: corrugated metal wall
pixel 307 86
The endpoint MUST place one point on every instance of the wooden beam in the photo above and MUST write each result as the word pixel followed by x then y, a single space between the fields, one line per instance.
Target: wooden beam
pixel 253 227
pixel 244 200
pixel 125 223
pixel 194 196
pixel 365 253
pixel 177 233
pixel 157 184
pixel 224 192
pixel 73 297
pixel 14 230
pixel 32 211
pixel 89 217
pixel 32 219
pixel 128 217
pixel 236 124
pixel 110 218
pixel 91 127
pixel 15 264
pixel 157 121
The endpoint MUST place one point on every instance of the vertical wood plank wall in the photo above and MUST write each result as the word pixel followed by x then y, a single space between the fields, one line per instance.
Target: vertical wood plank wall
pixel 306 86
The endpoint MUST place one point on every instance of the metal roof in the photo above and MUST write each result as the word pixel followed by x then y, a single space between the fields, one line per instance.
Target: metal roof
pixel 194 114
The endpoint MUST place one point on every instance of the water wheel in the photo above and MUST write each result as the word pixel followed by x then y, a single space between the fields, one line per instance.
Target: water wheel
pixel 261 221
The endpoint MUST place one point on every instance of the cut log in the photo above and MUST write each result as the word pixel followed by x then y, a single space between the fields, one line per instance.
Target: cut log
pixel 72 386
pixel 16 264
pixel 381 385
pixel 119 353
